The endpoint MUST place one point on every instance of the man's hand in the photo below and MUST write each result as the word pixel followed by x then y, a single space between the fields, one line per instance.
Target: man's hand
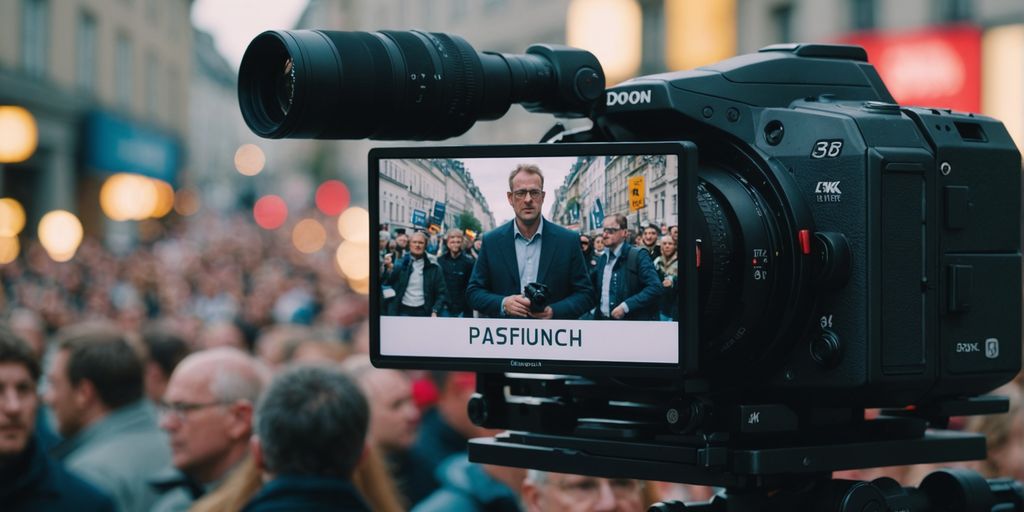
pixel 618 313
pixel 543 315
pixel 667 283
pixel 517 305
pixel 434 314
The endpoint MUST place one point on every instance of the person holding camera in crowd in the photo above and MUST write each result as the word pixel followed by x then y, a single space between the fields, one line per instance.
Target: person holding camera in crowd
pixel 416 282
pixel 626 280
pixel 667 266
pixel 457 267
pixel 526 252
pixel 649 240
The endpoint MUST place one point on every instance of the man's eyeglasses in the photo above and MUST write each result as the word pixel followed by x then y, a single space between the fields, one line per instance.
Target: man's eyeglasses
pixel 181 410
pixel 611 231
pixel 533 193
pixel 588 489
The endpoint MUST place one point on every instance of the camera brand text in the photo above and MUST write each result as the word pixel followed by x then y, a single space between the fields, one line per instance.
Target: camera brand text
pixel 628 97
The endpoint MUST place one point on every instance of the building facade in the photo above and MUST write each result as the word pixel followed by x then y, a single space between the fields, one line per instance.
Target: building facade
pixel 107 90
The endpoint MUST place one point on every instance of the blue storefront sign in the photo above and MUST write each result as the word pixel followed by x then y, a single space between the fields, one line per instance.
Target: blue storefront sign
pixel 113 144
pixel 419 218
pixel 439 209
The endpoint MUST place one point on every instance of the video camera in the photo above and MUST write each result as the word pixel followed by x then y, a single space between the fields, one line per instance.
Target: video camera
pixel 837 251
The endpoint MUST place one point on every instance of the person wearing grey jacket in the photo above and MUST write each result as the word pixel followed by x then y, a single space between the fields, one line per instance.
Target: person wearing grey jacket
pixel 111 436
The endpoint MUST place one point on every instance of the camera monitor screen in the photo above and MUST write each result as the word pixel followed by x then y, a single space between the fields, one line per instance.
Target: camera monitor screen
pixel 547 258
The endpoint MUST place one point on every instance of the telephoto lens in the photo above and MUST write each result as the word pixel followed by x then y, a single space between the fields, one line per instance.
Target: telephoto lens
pixel 401 85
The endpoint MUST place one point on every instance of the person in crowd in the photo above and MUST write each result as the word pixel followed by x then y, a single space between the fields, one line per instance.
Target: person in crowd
pixel 673 231
pixel 273 343
pixel 30 480
pixel 221 334
pixel 1004 436
pixel 417 283
pixel 558 492
pixel 401 245
pixel 164 350
pixel 457 267
pixel 95 390
pixel 588 251
pixel 394 424
pixel 28 325
pixel 207 413
pixel 469 487
pixel 668 271
pixel 311 430
pixel 526 250
pixel 649 241
pixel 598 241
pixel 626 280
pixel 478 244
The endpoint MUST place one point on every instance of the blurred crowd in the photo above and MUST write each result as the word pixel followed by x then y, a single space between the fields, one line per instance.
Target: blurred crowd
pixel 217 368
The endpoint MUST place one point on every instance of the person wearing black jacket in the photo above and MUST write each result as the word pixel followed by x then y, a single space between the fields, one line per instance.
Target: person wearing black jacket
pixel 457 267
pixel 29 479
pixel 417 283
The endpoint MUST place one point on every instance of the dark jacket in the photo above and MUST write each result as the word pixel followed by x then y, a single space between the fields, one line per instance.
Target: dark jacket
pixel 634 281
pixel 435 293
pixel 456 277
pixel 436 442
pixel 34 482
pixel 466 487
pixel 562 269
pixel 307 493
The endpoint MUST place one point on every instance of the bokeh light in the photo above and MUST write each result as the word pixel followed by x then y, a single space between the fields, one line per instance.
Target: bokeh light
pixel 187 202
pixel 249 159
pixel 164 199
pixel 332 197
pixel 9 248
pixel 19 134
pixel 309 236
pixel 127 196
pixel 60 233
pixel 353 259
pixel 270 212
pixel 354 224
pixel 12 217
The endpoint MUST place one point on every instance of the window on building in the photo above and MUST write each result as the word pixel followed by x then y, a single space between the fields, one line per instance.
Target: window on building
pixel 948 11
pixel 85 53
pixel 125 87
pixel 674 204
pixel 782 20
pixel 862 14
pixel 35 14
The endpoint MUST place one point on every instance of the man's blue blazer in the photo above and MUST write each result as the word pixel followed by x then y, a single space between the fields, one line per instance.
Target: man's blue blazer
pixel 562 269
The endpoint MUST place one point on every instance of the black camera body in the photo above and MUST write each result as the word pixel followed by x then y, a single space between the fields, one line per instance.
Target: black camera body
pixel 871 252
pixel 850 252
pixel 539 295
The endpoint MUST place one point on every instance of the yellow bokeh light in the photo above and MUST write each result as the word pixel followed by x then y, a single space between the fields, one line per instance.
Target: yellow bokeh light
pixel 9 249
pixel 353 259
pixel 19 134
pixel 60 233
pixel 12 217
pixel 360 286
pixel 131 197
pixel 354 224
pixel 309 236
pixel 249 159
pixel 164 199
pixel 612 31
pixel 186 202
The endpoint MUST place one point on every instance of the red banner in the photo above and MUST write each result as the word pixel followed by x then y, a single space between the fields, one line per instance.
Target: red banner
pixel 932 67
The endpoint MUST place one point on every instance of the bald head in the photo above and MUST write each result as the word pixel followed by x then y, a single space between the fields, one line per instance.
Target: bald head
pixel 228 373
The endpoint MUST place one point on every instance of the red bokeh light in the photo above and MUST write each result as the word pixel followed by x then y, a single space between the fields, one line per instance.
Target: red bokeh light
pixel 332 197
pixel 270 212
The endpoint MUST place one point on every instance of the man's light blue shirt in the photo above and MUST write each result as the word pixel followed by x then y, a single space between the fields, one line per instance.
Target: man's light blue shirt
pixel 527 253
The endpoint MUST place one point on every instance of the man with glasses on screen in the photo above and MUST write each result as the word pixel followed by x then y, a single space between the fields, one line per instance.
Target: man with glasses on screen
pixel 529 249
pixel 627 283
pixel 558 492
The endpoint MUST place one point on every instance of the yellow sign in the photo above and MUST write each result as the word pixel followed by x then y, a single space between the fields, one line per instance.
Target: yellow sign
pixel 636 193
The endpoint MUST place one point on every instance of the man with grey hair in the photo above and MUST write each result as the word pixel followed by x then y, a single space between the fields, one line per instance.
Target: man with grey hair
pixel 310 434
pixel 559 492
pixel 207 412
pixel 416 281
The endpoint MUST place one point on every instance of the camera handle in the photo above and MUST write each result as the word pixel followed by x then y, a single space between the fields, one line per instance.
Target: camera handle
pixel 944 490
